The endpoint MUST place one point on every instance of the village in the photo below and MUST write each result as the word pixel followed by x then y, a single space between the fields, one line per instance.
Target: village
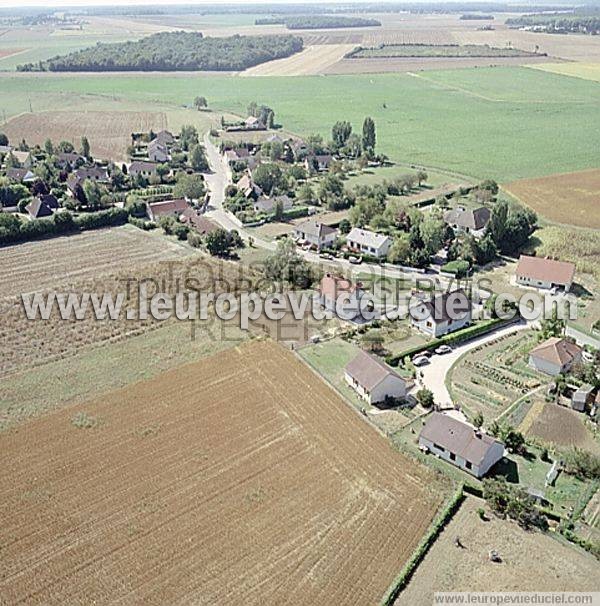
pixel 248 186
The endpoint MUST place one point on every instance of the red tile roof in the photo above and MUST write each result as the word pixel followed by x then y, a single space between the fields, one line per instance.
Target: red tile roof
pixel 557 351
pixel 546 270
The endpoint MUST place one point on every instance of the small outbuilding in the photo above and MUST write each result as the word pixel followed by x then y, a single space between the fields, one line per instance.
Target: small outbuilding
pixel 583 397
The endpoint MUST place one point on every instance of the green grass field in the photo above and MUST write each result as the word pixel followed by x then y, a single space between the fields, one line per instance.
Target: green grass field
pixel 504 123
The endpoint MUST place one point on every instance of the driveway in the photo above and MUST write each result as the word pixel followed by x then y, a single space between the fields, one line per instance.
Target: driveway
pixel 434 374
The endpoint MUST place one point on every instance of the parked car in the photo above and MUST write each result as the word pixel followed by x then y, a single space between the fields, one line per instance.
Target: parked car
pixel 326 255
pixel 443 349
pixel 355 260
pixel 420 361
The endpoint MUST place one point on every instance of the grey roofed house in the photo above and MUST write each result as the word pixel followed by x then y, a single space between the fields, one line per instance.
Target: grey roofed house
pixel 368 371
pixel 157 152
pixel 468 219
pixel 312 227
pixel 42 206
pixel 461 444
pixel 64 158
pixel 20 175
pixel 141 167
pixel 442 314
pixel 95 173
pixel 254 123
pixel 319 161
pixel 267 205
pixel 582 397
pixel 164 137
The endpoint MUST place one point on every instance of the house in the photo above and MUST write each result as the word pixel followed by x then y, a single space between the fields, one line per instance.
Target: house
pixel 334 289
pixel 143 168
pixel 20 175
pixel 299 149
pixel 198 222
pixel 164 138
pixel 232 156
pixel 369 242
pixel 373 380
pixel 64 159
pixel 460 444
pixel 544 273
pixel 315 233
pixel 267 205
pixel 468 221
pixel 24 158
pixel 443 314
pixel 253 123
pixel 318 162
pixel 555 356
pixel 157 152
pixel 42 206
pixel 94 173
pixel 247 186
pixel 582 397
pixel 166 208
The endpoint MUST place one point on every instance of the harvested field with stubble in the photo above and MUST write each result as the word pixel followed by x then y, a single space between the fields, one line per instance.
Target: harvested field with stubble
pixel 172 491
pixel 531 561
pixel 107 132
pixel 568 198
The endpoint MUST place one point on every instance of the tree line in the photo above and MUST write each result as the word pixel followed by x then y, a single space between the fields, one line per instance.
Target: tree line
pixel 174 51
pixel 318 22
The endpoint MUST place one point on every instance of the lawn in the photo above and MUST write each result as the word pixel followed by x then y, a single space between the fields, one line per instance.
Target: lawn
pixel 504 123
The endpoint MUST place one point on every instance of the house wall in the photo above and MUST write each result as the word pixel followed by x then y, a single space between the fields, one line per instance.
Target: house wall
pixel 359 389
pixel 438 329
pixel 531 282
pixel 544 366
pixel 379 252
pixel 391 386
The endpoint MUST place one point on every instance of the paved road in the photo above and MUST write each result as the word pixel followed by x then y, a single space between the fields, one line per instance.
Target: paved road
pixel 434 374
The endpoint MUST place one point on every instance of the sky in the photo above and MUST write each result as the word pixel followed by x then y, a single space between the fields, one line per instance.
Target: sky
pixel 59 3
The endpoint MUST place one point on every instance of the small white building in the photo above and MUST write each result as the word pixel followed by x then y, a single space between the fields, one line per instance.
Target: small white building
pixel 443 314
pixel 315 233
pixel 369 242
pixel 555 356
pixel 539 272
pixel 461 444
pixel 373 380
pixel 583 397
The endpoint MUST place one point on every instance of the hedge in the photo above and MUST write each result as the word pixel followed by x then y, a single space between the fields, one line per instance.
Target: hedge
pixel 456 337
pixel 428 540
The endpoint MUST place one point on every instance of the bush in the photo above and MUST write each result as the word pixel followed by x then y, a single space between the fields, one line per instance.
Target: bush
pixel 458 268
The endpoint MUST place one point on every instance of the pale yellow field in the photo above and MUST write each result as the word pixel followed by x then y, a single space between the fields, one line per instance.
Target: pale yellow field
pixel 587 71
pixel 312 60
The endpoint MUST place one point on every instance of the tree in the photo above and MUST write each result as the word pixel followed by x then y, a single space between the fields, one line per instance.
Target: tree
pixel 278 210
pixel 432 231
pixel 285 265
pixel 305 194
pixel 421 177
pixel 198 159
pixel 345 226
pixel 353 147
pixel 200 103
pixel 48 147
pixel 368 135
pixel 189 186
pixel 162 170
pixel 93 193
pixel 552 326
pixel 340 133
pixel 188 137
pixel 478 419
pixel 373 341
pixel 400 250
pixel 3 139
pixel 221 243
pixel 425 398
pixel 65 147
pixel 85 148
pixel 497 224
pixel 267 177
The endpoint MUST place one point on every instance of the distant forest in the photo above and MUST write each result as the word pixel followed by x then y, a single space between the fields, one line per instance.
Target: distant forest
pixel 559 23
pixel 174 51
pixel 318 22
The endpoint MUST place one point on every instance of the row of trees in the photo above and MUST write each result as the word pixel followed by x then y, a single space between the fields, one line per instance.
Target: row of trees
pixel 170 51
pixel 318 21
pixel 350 144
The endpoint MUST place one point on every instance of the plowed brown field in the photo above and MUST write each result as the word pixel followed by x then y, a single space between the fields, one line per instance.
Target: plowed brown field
pixel 240 479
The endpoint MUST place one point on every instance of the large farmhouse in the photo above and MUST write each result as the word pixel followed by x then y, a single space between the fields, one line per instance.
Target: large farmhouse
pixel 443 314
pixel 468 221
pixel 373 380
pixel 460 444
pixel 369 242
pixel 541 272
pixel 555 356
pixel 167 208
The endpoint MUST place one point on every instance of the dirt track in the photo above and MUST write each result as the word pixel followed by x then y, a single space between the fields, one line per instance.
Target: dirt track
pixel 240 479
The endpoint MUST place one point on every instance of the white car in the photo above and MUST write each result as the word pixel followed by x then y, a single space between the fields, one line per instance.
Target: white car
pixel 443 349
pixel 420 361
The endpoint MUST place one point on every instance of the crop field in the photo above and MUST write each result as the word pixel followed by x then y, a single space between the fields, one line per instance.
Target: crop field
pixel 587 71
pixel 571 198
pixel 530 560
pixel 563 427
pixel 45 264
pixel 108 132
pixel 169 491
pixel 503 123
pixel 494 375
pixel 314 59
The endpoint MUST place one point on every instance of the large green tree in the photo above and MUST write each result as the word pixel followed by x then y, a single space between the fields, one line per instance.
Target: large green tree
pixel 369 138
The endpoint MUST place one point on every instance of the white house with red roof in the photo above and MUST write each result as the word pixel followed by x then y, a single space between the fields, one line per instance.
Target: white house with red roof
pixel 555 356
pixel 541 272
